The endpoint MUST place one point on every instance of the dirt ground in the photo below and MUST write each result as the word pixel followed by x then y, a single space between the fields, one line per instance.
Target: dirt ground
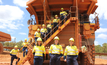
pixel 5 59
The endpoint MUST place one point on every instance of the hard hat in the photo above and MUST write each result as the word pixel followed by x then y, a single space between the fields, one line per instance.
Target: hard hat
pixel 62 8
pixel 56 38
pixel 25 39
pixel 15 46
pixel 38 29
pixel 71 39
pixel 39 39
pixel 56 15
pixel 43 24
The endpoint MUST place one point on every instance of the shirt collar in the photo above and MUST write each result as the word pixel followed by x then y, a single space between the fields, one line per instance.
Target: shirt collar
pixel 55 44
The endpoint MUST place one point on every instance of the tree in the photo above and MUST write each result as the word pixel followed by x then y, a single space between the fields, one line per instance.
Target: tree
pixel 19 44
pixel 104 45
pixel 98 49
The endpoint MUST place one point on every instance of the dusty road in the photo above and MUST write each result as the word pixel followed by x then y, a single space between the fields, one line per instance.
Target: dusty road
pixel 5 59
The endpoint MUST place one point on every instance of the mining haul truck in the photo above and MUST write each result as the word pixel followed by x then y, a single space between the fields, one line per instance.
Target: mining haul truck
pixel 78 25
pixel 4 37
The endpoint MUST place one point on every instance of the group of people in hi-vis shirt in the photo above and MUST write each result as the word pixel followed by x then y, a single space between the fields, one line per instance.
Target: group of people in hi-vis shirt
pixel 55 52
pixel 52 24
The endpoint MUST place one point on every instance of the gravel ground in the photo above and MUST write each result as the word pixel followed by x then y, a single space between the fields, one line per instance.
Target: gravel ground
pixel 101 57
pixel 5 59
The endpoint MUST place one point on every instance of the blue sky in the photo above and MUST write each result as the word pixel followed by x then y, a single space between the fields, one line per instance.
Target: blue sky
pixel 14 16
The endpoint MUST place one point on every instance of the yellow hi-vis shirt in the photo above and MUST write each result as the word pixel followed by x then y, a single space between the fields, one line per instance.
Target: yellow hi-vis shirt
pixel 71 50
pixel 37 34
pixel 63 13
pixel 56 20
pixel 24 44
pixel 39 50
pixel 14 52
pixel 56 49
pixel 49 26
pixel 43 30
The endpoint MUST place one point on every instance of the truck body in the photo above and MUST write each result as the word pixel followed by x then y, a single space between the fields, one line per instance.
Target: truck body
pixel 77 26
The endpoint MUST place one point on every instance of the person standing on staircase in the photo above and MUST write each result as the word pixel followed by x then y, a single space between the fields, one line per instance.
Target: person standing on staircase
pixel 71 53
pixel 38 52
pixel 43 32
pixel 49 28
pixel 55 52
pixel 55 22
pixel 13 55
pixel 37 34
pixel 24 45
pixel 63 14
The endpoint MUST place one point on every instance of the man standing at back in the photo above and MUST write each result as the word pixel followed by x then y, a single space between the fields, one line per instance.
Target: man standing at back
pixel 25 50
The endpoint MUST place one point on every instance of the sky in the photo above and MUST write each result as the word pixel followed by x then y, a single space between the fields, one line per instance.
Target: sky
pixel 14 17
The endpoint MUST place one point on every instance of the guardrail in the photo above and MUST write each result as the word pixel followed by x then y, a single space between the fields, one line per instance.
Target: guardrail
pixel 101 54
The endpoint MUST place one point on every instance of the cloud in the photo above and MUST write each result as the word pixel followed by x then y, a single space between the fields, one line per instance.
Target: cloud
pixel 1 2
pixel 10 17
pixel 96 42
pixel 102 36
pixel 22 33
pixel 13 37
pixel 101 30
pixel 102 10
pixel 21 3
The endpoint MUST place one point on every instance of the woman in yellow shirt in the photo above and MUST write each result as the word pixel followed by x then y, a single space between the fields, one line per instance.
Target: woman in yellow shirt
pixel 43 32
pixel 38 52
pixel 71 52
pixel 55 22
pixel 37 34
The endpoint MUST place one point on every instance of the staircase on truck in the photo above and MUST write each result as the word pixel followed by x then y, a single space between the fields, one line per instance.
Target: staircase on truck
pixel 76 26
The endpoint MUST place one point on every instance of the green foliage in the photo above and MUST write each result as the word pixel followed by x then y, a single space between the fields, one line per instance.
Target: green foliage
pixel 12 44
pixel 101 49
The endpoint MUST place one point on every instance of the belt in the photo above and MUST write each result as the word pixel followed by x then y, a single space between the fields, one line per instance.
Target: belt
pixel 56 54
pixel 71 55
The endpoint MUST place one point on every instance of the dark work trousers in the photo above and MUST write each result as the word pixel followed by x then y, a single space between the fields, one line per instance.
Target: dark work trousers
pixel 72 60
pixel 14 57
pixel 54 25
pixel 49 32
pixel 36 39
pixel 62 19
pixel 55 59
pixel 25 50
pixel 43 35
pixel 38 61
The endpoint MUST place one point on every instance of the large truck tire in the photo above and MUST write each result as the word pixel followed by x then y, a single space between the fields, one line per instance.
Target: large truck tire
pixel 83 59
pixel 1 48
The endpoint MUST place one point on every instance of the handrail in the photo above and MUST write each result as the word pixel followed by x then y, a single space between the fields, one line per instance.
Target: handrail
pixel 23 51
pixel 56 27
pixel 101 54
pixel 75 10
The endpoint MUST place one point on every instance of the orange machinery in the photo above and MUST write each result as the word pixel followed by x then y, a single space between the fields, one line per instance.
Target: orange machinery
pixel 4 37
pixel 78 26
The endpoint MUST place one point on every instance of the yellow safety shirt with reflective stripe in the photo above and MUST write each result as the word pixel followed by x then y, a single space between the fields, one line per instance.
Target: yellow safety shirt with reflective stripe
pixel 63 13
pixel 56 20
pixel 24 44
pixel 37 34
pixel 39 50
pixel 43 30
pixel 56 49
pixel 49 26
pixel 14 52
pixel 71 50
